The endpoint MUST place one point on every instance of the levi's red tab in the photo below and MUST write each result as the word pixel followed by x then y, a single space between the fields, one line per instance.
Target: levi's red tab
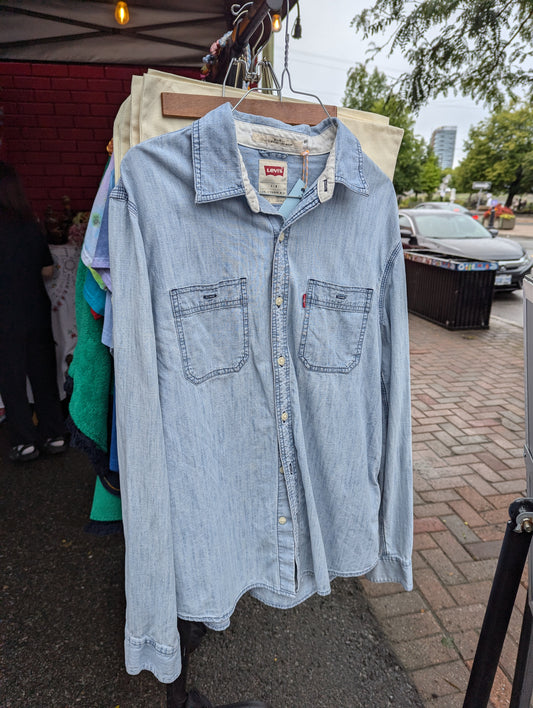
pixel 274 170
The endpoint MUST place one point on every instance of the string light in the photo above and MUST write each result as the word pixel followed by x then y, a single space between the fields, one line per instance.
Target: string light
pixel 276 22
pixel 122 13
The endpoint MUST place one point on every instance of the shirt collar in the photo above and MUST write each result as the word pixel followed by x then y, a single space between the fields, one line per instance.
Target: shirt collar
pixel 219 171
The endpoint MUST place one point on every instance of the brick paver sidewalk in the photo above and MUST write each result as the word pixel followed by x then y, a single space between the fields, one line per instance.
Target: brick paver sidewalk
pixel 468 438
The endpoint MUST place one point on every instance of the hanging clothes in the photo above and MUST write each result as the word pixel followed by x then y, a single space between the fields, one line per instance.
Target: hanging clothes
pixel 262 373
pixel 61 289
pixel 90 377
pixel 140 118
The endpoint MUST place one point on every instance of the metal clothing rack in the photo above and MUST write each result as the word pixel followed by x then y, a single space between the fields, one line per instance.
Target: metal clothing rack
pixel 511 563
pixel 249 24
pixel 256 29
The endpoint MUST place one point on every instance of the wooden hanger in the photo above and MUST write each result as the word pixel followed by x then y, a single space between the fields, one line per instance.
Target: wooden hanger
pixel 181 105
pixel 184 105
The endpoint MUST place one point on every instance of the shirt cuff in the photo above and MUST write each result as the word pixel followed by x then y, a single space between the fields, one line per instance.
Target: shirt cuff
pixel 144 653
pixel 392 570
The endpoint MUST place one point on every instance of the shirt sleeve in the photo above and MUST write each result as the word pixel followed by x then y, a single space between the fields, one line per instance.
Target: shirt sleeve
pixel 100 261
pixel 151 635
pixel 395 476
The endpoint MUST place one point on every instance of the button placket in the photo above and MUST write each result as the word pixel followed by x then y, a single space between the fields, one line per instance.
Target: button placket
pixel 287 511
pixel 280 284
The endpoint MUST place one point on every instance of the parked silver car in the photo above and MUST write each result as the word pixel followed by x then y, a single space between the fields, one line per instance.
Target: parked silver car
pixel 454 234
pixel 449 206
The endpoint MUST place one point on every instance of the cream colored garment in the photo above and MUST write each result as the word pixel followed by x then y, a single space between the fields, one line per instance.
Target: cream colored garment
pixel 379 140
pixel 136 102
pixel 121 134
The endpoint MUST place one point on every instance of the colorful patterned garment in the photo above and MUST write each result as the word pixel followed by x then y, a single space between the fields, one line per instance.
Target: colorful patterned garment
pixel 95 219
pixel 61 291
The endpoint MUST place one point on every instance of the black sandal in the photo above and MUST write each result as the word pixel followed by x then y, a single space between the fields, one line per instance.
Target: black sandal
pixel 23 453
pixel 55 445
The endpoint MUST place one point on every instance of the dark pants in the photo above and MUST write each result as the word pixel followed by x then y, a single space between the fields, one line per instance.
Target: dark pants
pixel 30 354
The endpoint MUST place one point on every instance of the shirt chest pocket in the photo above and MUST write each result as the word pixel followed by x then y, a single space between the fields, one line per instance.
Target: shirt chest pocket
pixel 212 327
pixel 334 326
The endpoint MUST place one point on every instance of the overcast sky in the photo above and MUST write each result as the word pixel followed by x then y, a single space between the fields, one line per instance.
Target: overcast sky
pixel 319 62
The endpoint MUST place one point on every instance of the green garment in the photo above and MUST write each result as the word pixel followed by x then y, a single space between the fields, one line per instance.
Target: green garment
pixel 106 506
pixel 90 371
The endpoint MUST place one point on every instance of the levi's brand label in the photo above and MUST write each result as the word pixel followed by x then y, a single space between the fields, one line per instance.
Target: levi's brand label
pixel 274 170
pixel 273 180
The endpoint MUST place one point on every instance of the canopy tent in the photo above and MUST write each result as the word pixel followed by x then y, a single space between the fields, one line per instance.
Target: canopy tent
pixel 160 32
pixel 67 65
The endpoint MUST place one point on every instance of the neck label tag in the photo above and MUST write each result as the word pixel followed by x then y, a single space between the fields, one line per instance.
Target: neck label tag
pixel 273 178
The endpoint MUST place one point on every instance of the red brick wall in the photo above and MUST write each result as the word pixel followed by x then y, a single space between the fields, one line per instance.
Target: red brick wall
pixel 57 121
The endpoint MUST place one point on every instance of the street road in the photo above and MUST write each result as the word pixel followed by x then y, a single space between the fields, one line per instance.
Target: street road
pixel 509 306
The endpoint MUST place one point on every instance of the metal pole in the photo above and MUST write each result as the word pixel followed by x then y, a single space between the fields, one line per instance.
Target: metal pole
pixel 268 50
pixel 523 676
pixel 513 556
pixel 191 634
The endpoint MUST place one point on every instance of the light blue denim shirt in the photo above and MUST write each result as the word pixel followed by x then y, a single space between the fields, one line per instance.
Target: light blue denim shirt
pixel 262 374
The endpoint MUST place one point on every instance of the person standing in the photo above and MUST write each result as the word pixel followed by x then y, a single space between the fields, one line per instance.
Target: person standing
pixel 27 349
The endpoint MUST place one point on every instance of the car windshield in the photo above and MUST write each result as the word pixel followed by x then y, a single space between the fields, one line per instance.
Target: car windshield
pixel 449 225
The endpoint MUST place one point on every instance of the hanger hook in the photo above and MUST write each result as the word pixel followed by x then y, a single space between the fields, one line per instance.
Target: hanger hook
pixel 249 58
pixel 286 67
pixel 265 68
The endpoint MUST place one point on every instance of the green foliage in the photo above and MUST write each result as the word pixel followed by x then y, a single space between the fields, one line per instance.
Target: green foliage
pixel 500 150
pixel 371 91
pixel 481 48
pixel 452 181
pixel 407 175
pixel 430 174
pixel 408 202
pixel 364 88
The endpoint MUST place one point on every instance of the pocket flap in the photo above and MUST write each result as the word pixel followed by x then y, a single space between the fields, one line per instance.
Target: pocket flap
pixel 339 297
pixel 196 298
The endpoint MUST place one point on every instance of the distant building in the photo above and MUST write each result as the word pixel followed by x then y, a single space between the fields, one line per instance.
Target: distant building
pixel 443 144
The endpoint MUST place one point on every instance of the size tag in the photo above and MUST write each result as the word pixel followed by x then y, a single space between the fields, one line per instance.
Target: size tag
pixel 273 180
pixel 293 199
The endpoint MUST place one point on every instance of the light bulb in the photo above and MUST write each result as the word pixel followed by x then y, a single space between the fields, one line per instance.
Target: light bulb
pixel 122 14
pixel 276 22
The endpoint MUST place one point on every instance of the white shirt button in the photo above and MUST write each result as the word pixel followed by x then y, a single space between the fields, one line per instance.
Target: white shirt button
pixel 281 470
pixel 282 520
pixel 279 301
pixel 284 416
pixel 281 360
pixel 282 236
